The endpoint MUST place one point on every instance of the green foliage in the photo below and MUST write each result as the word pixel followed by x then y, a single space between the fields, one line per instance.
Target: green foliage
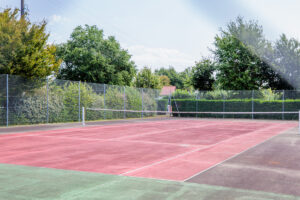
pixel 242 54
pixel 88 56
pixel 134 100
pixel 149 102
pixel 269 95
pixel 235 105
pixel 88 99
pixel 146 79
pixel 175 78
pixel 187 79
pixel 203 75
pixel 183 94
pixel 31 108
pixel 23 47
pixel 164 80
pixel 287 61
pixel 215 94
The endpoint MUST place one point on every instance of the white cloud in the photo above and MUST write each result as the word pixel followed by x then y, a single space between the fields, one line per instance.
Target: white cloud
pixel 160 57
pixel 57 19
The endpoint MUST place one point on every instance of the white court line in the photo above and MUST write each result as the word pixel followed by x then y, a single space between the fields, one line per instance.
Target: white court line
pixel 162 131
pixel 281 133
pixel 87 128
pixel 120 139
pixel 129 141
pixel 193 151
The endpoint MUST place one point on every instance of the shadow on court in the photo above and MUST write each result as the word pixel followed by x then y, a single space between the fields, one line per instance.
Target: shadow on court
pixel 273 166
pixel 19 183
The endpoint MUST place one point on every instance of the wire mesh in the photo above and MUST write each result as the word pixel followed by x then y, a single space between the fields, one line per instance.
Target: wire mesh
pixel 56 101
pixel 3 96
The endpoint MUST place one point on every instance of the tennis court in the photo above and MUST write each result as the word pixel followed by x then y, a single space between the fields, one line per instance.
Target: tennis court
pixel 168 151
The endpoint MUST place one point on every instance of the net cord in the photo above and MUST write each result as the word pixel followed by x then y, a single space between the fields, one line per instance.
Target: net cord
pixel 170 112
pixel 181 112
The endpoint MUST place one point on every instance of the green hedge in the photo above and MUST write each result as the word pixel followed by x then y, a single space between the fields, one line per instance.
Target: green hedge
pixel 235 105
pixel 30 106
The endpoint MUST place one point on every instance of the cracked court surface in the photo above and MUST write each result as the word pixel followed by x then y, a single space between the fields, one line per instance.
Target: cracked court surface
pixel 164 151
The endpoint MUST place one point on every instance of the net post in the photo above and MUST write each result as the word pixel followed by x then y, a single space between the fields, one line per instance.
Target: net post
pixel 169 104
pixel 142 103
pixel 47 101
pixel 79 107
pixel 223 104
pixel 7 101
pixel 197 98
pixel 169 110
pixel 124 103
pixel 83 116
pixel 104 100
pixel 252 102
pixel 283 97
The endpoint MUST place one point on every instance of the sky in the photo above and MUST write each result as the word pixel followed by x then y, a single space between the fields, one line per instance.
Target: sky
pixel 162 33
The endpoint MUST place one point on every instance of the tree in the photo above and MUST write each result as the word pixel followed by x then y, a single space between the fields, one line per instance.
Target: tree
pixel 186 77
pixel 242 54
pixel 164 80
pixel 23 47
pixel 287 61
pixel 175 78
pixel 203 75
pixel 88 56
pixel 146 79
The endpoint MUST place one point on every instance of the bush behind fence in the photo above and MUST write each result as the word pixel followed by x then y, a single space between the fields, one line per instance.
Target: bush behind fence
pixel 24 101
pixel 237 105
pixel 56 101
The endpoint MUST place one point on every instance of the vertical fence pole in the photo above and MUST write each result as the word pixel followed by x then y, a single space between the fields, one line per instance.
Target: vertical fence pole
pixel 252 104
pixel 7 101
pixel 104 101
pixel 83 117
pixel 197 98
pixel 47 101
pixel 299 121
pixel 283 97
pixel 124 104
pixel 79 101
pixel 223 106
pixel 169 107
pixel 142 103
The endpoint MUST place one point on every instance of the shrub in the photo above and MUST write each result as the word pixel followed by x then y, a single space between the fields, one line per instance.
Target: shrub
pixel 237 105
pixel 183 94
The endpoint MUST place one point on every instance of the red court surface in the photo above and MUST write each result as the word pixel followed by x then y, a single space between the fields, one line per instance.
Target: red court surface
pixel 167 149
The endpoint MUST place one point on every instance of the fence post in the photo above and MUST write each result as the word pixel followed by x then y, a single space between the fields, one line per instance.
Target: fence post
pixel 252 104
pixel 223 106
pixel 124 103
pixel 142 103
pixel 7 101
pixel 104 101
pixel 169 107
pixel 283 98
pixel 47 101
pixel 83 117
pixel 197 98
pixel 79 101
pixel 299 122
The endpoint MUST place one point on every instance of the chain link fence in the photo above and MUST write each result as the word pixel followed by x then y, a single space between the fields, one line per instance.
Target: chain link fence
pixel 41 101
pixel 250 102
pixel 24 101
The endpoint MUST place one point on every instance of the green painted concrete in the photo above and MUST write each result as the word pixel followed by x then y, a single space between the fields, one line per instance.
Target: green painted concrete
pixel 31 183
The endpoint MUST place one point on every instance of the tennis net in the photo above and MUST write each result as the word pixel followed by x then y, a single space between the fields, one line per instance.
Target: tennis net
pixel 95 114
